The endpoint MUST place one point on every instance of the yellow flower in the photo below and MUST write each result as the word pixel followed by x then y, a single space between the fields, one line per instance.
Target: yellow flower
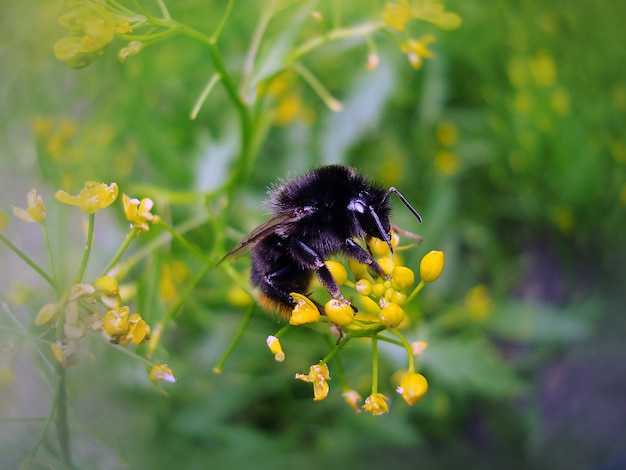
pixel 305 310
pixel 478 303
pixel 402 277
pixel 338 271
pixel 431 266
pixel 107 285
pixel 138 331
pixel 417 51
pixel 318 376
pixel 3 220
pixel 353 399
pixel 74 52
pixel 115 322
pixel 413 387
pixel 138 212
pixel 47 314
pixel 124 26
pixel 339 312
pixel 35 210
pixel 417 347
pixel 275 347
pixel 397 15
pixel 377 404
pixel 447 133
pixel 391 315
pixel 162 373
pixel 446 162
pixel 93 197
pixel 543 69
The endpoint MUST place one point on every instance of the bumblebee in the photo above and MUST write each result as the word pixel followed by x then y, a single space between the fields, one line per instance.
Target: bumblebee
pixel 316 215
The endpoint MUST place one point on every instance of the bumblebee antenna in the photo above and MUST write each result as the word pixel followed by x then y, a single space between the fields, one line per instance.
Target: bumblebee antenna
pixel 403 199
pixel 381 230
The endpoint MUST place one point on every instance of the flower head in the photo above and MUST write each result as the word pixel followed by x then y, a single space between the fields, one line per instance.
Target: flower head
pixel 162 373
pixel 35 210
pixel 305 310
pixel 413 387
pixel 417 50
pixel 138 212
pixel 377 404
pixel 353 399
pixel 318 376
pixel 93 197
pixel 397 15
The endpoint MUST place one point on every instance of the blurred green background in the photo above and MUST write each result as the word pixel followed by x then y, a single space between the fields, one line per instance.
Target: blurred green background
pixel 511 144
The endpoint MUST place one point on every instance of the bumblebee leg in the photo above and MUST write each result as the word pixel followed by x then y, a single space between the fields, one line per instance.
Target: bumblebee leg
pixel 309 256
pixel 354 250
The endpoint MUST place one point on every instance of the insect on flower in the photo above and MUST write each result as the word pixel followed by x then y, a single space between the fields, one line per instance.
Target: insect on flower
pixel 314 216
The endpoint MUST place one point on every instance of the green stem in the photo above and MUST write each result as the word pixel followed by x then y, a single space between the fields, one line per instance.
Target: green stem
pixel 46 238
pixel 204 95
pixel 177 305
pixel 62 425
pixel 219 367
pixel 28 261
pixel 184 242
pixel 129 237
pixel 338 347
pixel 374 365
pixel 355 31
pixel 416 291
pixel 87 252
pixel 406 346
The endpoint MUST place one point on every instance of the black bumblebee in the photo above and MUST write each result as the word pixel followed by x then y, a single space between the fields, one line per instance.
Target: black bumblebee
pixel 314 216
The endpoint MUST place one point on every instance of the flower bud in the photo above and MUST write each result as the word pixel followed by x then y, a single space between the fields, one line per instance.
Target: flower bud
pixel 107 285
pixel 339 312
pixel 413 387
pixel 391 315
pixel 338 271
pixel 75 53
pixel 276 348
pixel 431 266
pixel 47 314
pixel 402 277
pixel 162 373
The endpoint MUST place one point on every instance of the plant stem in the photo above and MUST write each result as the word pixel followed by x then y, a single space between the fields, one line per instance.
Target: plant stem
pixel 233 344
pixel 63 429
pixel 87 252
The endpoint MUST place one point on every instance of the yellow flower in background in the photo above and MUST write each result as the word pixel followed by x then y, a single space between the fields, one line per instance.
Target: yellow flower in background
pixel 35 210
pixel 4 219
pixel 446 162
pixel 377 404
pixel 447 133
pixel 478 303
pixel 138 212
pixel 318 375
pixel 162 373
pixel 93 197
pixel 353 399
pixel 417 50
pixel 543 69
pixel 397 15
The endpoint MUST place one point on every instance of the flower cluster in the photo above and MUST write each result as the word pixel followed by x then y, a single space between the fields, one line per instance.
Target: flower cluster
pixel 95 306
pixel 397 15
pixel 381 303
pixel 92 26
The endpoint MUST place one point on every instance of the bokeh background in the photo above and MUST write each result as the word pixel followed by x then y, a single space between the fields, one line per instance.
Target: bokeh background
pixel 511 144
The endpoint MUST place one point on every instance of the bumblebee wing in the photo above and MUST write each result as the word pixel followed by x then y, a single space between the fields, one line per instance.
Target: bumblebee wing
pixel 257 234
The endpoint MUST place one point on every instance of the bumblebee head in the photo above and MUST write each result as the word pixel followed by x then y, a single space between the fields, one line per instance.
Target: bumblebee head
pixel 373 213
